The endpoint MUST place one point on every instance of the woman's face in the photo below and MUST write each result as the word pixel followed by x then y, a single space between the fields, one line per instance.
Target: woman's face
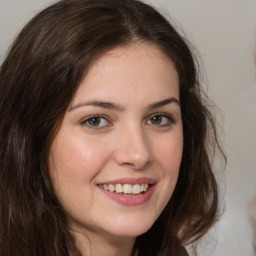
pixel 115 161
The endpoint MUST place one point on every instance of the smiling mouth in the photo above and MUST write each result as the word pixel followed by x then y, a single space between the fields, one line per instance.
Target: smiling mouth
pixel 126 189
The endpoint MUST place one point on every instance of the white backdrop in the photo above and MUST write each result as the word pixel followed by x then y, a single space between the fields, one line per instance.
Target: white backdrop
pixel 224 32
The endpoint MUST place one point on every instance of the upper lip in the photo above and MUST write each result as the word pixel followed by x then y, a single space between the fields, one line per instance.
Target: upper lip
pixel 132 181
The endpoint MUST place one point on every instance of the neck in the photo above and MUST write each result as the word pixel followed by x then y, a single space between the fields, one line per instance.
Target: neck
pixel 95 244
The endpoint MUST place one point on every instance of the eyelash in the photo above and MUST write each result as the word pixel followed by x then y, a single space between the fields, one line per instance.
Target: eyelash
pixel 86 121
pixel 170 120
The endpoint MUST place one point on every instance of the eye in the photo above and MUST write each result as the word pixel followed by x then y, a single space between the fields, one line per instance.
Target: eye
pixel 161 119
pixel 95 122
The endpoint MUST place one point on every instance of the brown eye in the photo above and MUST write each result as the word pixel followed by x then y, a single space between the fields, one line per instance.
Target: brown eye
pixel 156 119
pixel 95 122
pixel 161 120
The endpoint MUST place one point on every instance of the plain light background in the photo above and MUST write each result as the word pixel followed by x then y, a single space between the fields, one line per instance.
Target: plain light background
pixel 224 33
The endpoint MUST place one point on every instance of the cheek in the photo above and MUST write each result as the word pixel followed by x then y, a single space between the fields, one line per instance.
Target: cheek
pixel 73 166
pixel 169 156
pixel 73 156
pixel 169 152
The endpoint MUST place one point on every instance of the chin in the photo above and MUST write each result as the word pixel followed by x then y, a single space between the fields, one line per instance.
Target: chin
pixel 132 228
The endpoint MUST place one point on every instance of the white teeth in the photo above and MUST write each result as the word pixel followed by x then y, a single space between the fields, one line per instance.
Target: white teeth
pixel 119 188
pixel 145 187
pixel 111 188
pixel 136 189
pixel 126 188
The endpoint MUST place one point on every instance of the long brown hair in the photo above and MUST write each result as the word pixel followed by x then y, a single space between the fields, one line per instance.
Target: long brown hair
pixel 39 78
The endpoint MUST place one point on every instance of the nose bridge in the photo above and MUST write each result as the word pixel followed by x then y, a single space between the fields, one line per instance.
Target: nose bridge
pixel 133 146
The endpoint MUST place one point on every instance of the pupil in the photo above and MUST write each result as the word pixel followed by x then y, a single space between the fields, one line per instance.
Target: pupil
pixel 94 121
pixel 156 119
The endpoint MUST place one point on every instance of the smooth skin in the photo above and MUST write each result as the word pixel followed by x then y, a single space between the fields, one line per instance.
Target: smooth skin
pixel 124 122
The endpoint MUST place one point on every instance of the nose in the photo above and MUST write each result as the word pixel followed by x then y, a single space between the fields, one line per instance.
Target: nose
pixel 133 149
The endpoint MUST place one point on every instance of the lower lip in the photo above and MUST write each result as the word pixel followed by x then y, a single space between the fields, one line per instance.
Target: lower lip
pixel 130 199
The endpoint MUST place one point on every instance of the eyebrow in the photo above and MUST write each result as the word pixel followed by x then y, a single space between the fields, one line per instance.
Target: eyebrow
pixel 118 107
pixel 163 103
pixel 100 104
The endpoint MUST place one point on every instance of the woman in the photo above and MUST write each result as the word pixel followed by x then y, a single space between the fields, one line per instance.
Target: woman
pixel 106 140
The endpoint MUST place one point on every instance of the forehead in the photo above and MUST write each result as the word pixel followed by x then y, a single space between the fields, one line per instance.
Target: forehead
pixel 136 53
pixel 137 69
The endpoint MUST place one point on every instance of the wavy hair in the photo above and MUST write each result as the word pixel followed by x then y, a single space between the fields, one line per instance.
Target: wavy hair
pixel 38 79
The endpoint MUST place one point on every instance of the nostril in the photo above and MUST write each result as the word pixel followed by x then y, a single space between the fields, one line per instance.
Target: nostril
pixel 136 165
pixel 133 151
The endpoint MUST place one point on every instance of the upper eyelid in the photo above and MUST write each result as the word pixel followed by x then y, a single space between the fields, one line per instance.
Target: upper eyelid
pixel 108 119
pixel 160 114
pixel 171 118
pixel 85 123
pixel 83 120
